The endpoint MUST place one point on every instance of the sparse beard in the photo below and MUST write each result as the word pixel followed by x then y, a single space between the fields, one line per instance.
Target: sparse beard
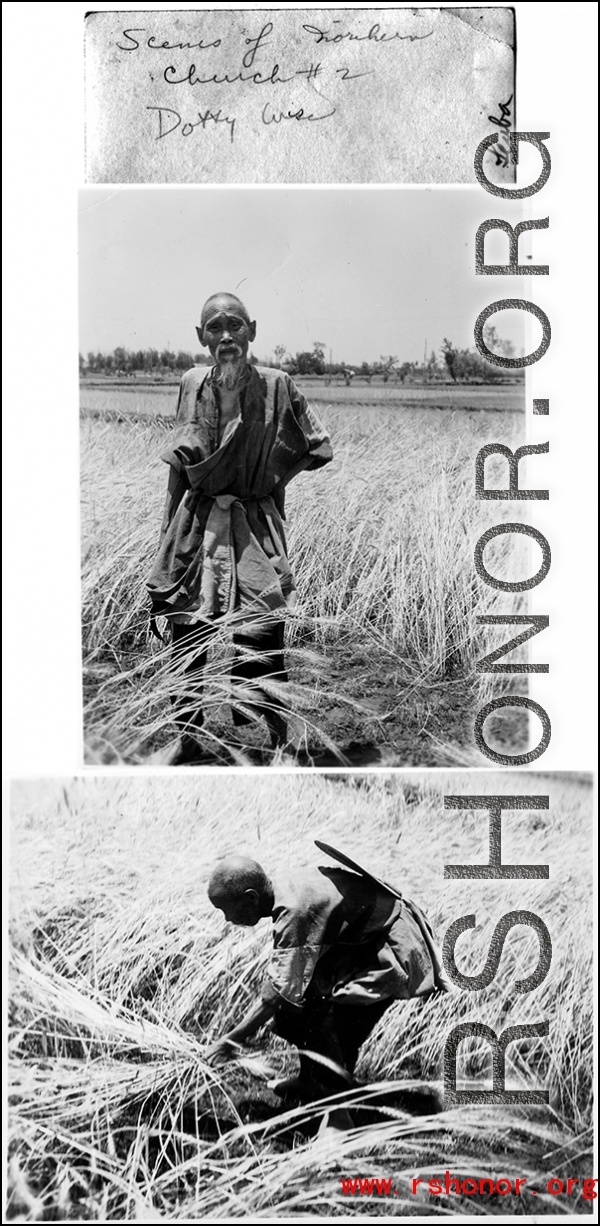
pixel 228 372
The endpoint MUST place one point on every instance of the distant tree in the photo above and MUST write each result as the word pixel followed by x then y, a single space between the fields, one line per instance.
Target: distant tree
pixel 450 355
pixel 472 368
pixel 280 352
pixel 496 343
pixel 148 361
pixel 119 356
pixel 387 363
pixel 432 369
pixel 309 364
pixel 407 368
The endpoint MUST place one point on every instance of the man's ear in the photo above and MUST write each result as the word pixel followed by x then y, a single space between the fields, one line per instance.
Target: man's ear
pixel 251 895
pixel 200 335
pixel 252 330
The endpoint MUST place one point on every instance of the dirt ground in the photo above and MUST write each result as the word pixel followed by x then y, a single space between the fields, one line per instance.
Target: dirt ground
pixel 366 715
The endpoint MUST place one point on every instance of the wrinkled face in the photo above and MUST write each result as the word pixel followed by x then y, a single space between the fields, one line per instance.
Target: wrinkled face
pixel 244 911
pixel 226 331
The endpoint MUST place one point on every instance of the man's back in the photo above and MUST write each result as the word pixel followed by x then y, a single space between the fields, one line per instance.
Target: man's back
pixel 317 911
pixel 323 905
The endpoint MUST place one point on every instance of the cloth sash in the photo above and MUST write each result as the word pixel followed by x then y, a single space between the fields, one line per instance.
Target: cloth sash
pixel 236 572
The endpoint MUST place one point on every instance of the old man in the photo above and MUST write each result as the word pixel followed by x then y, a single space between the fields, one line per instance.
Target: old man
pixel 242 432
pixel 345 946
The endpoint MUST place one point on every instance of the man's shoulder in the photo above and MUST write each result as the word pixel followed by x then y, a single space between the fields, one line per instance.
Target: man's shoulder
pixel 272 374
pixel 278 383
pixel 300 889
pixel 195 376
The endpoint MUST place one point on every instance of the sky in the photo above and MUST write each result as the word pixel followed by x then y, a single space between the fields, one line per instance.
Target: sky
pixel 367 272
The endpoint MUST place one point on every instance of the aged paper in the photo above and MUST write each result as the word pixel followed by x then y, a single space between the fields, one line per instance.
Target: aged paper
pixel 298 96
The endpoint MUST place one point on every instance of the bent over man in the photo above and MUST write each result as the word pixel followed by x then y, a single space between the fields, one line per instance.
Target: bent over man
pixel 242 432
pixel 345 946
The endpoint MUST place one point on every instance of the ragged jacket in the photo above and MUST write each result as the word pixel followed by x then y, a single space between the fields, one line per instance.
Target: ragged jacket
pixel 222 542
pixel 340 936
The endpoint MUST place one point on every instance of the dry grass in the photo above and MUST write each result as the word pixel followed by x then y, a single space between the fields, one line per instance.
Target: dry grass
pixel 122 973
pixel 381 543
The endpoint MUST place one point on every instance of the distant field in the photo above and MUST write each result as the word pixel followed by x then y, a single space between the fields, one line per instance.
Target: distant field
pixel 161 400
pixel 383 643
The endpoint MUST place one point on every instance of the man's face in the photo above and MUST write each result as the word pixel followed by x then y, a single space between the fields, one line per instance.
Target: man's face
pixel 244 911
pixel 226 331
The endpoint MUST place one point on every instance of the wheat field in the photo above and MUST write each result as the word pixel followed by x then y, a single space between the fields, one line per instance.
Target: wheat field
pixel 383 642
pixel 122 973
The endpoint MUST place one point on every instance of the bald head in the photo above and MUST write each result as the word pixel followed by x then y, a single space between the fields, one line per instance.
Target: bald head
pixel 233 875
pixel 240 888
pixel 223 301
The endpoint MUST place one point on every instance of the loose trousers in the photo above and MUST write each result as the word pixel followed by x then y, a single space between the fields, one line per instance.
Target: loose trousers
pixel 334 1030
pixel 258 653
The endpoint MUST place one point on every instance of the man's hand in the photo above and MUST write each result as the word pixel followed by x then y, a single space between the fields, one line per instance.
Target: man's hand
pixel 222 1051
pixel 228 1047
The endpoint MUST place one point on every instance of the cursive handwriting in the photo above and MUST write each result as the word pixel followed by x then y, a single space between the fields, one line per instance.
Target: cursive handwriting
pixel 252 62
pixel 503 121
pixel 256 78
pixel 352 76
pixel 164 46
pixel 500 149
pixel 190 77
pixel 270 116
pixel 188 127
pixel 375 35
pixel 256 44
pixel 501 155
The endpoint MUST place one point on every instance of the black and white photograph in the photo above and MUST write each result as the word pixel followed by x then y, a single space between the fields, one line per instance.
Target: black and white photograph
pixel 255 995
pixel 281 407
pixel 300 680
